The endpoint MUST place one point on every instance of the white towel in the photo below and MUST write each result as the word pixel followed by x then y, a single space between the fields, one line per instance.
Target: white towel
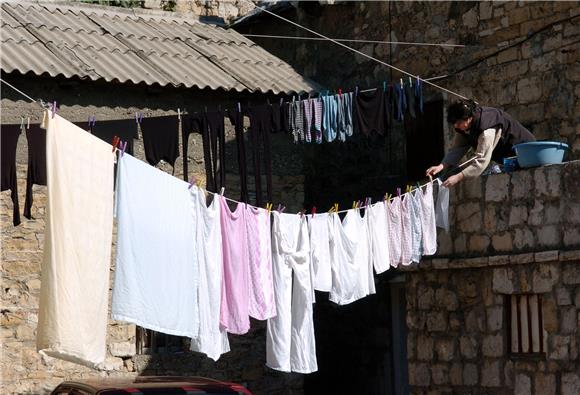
pixel 442 207
pixel 156 273
pixel 72 316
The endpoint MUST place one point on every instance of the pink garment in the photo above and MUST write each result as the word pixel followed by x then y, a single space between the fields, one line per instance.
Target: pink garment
pixel 428 218
pixel 262 304
pixel 234 312
pixel 395 231
pixel 406 229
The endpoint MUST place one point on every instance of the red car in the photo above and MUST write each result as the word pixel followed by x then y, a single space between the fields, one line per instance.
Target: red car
pixel 152 385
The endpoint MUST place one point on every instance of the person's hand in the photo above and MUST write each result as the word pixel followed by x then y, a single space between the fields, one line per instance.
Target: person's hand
pixel 453 180
pixel 434 170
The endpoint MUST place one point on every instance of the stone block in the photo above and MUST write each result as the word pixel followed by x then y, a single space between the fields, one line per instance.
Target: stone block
pixel 490 218
pixel 536 214
pixel 499 260
pixel 425 297
pixel 475 319
pixel 547 181
pixel 470 19
pixel 545 383
pixel 563 296
pixel 503 280
pixel 524 239
pixel 550 313
pixel 549 236
pixel 113 364
pixel 478 243
pixel 571 273
pixel 424 348
pixel 521 183
pixel 577 298
pixel 573 255
pixel 436 321
pixel 456 374
pixel 529 90
pixel 509 55
pixel 447 299
pixel 518 215
pixel 559 347
pixel 497 188
pixel 470 374
pixel 494 318
pixel 492 346
pixel 485 10
pixel 568 320
pixel 571 236
pixel 523 385
pixel 570 383
pixel 124 349
pixel 445 349
pixel 468 347
pixel 419 374
pixel 544 277
pixel 472 188
pixel 440 263
pixel 469 218
pixel 440 374
pixel 460 244
pixel 491 373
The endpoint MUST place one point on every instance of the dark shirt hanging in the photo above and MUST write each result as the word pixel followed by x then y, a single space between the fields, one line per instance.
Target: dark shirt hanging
pixel 125 129
pixel 277 113
pixel 161 139
pixel 237 120
pixel 9 141
pixel 370 112
pixel 36 174
pixel 214 141
pixel 260 128
pixel 410 97
pixel 190 124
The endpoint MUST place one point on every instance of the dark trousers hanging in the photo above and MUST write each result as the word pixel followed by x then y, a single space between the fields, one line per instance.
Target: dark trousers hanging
pixel 214 141
pixel 190 124
pixel 36 174
pixel 260 129
pixel 237 120
pixel 9 141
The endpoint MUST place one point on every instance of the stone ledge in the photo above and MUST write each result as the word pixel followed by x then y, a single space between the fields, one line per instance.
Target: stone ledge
pixel 494 260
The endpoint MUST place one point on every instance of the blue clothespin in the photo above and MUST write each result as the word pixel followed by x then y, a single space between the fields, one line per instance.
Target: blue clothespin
pixel 123 146
pixel 140 117
pixel 385 86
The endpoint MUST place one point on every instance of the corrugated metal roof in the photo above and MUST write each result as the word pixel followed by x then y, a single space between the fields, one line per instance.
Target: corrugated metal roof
pixel 129 45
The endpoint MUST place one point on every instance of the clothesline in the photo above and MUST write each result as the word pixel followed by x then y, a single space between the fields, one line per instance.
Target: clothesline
pixel 357 51
pixel 355 41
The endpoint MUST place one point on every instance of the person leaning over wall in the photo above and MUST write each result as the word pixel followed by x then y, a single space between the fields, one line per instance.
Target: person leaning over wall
pixel 491 133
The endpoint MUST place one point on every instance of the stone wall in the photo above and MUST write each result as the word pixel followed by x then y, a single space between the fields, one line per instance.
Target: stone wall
pixel 24 371
pixel 457 330
pixel 520 56
pixel 226 9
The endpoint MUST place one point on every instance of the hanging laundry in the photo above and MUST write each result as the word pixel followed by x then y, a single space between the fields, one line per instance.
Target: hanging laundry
pixel 9 142
pixel 260 129
pixel 356 228
pixel 442 206
pixel 192 123
pixel 214 150
pixel 290 342
pixel 410 99
pixel 371 114
pixel 308 119
pixel 344 116
pixel 156 275
pixel 72 313
pixel 212 340
pixel 406 235
pixel 318 226
pixel 418 87
pixel 125 129
pixel 379 232
pixel 401 102
pixel 234 313
pixel 395 230
pixel 237 119
pixel 329 118
pixel 298 121
pixel 429 241
pixel 416 225
pixel 261 286
pixel 36 173
pixel 286 115
pixel 317 127
pixel 161 139
pixel 277 113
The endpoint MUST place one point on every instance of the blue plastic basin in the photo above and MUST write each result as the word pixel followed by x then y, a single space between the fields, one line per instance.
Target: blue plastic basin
pixel 538 153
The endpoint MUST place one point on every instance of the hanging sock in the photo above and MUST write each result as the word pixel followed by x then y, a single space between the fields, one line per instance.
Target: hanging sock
pixel 214 147
pixel 192 123
pixel 329 117
pixel 36 173
pixel 317 127
pixel 418 87
pixel 401 102
pixel 308 119
pixel 9 141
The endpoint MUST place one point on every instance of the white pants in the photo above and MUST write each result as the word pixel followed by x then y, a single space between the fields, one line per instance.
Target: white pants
pixel 290 343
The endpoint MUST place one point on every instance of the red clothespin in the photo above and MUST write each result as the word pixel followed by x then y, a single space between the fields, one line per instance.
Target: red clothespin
pixel 116 140
pixel 339 91
pixel 313 210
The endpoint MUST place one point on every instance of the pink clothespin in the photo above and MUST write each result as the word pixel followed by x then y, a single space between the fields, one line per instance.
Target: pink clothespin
pixel 399 192
pixel 123 146
pixel 192 181
pixel 140 117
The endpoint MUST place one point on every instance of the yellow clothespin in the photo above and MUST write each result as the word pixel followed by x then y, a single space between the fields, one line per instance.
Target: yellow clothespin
pixel 354 204
pixel 269 207
pixel 336 207
pixel 331 210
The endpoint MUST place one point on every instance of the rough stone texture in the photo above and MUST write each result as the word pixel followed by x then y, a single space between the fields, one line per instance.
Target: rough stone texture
pixel 570 383
pixel 523 385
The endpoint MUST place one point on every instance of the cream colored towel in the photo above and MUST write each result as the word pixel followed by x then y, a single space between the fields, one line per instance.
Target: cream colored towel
pixel 72 317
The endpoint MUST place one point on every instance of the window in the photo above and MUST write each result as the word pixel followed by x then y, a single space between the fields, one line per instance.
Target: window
pixel 151 342
pixel 525 324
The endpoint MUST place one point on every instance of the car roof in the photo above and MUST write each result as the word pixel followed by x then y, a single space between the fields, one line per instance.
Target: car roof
pixel 143 382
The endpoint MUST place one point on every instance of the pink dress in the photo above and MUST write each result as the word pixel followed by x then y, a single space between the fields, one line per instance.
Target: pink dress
pixel 261 286
pixel 234 312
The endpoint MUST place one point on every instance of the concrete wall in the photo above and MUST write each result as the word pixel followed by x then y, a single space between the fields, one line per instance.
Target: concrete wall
pixel 24 371
pixel 520 56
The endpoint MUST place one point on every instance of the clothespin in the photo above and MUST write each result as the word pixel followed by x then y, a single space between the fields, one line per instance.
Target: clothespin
pixel 116 140
pixel 301 213
pixel 418 186
pixel 313 211
pixel 192 181
pixel 384 86
pixel 136 118
pixel 123 146
pixel 178 114
pixel 356 90
pixel 399 192
pixel 28 123
pixel 269 207
pixel 410 82
pixel 222 191
pixel 140 117
pixel 402 84
pixel 339 91
pixel 21 122
pixel 354 203
pixel 336 207
pixel 279 209
pixel 283 208
pixel 54 108
pixel 331 210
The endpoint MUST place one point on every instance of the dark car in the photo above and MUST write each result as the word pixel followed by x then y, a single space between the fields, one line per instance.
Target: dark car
pixel 150 385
